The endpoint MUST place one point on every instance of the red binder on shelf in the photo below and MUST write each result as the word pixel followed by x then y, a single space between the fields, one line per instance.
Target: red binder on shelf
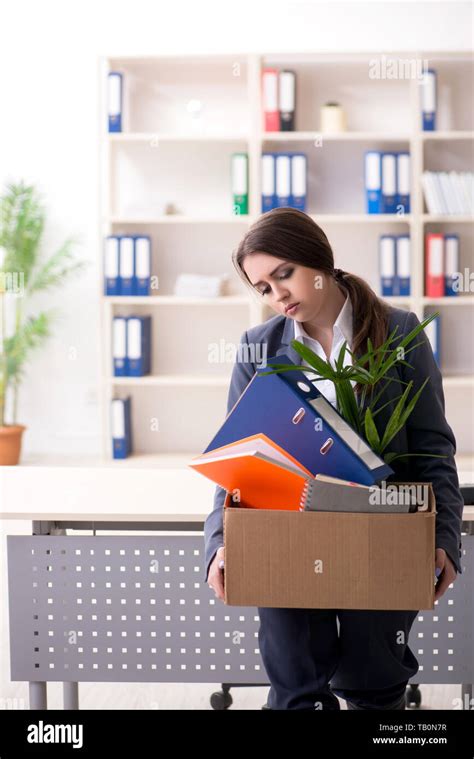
pixel 434 265
pixel 271 114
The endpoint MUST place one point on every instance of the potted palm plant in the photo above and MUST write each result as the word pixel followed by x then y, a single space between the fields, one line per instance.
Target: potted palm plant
pixel 370 372
pixel 24 272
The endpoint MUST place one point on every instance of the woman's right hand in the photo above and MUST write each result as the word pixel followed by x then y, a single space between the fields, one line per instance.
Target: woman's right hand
pixel 215 578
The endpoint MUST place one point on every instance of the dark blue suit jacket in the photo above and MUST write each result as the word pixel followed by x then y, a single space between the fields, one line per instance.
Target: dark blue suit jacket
pixel 426 431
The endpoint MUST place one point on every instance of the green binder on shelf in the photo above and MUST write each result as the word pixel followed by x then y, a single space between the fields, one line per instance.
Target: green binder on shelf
pixel 240 183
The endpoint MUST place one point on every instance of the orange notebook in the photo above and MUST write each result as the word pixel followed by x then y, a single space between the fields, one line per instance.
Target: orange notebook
pixel 264 473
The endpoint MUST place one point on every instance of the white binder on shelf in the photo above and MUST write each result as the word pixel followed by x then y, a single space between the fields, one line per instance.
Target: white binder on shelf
pixel 373 181
pixel 451 264
pixel 126 265
pixel 433 333
pixel 283 179
pixel 138 345
pixel 119 346
pixel 115 101
pixel 403 182
pixel 298 181
pixel 403 265
pixel 387 264
pixel 389 183
pixel 142 265
pixel 268 182
pixel 111 265
pixel 287 98
pixel 428 101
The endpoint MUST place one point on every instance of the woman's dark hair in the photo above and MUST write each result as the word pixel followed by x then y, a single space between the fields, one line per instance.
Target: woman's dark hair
pixel 292 235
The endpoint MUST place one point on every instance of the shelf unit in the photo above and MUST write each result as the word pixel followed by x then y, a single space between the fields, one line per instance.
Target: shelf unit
pixel 183 117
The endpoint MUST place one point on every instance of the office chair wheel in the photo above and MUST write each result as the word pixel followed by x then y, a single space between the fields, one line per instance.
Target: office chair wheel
pixel 412 696
pixel 221 700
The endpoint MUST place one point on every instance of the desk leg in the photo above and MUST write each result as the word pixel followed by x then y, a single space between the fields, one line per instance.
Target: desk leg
pixel 467 694
pixel 38 695
pixel 71 696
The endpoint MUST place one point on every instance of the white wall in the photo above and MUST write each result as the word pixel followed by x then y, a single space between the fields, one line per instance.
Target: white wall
pixel 49 68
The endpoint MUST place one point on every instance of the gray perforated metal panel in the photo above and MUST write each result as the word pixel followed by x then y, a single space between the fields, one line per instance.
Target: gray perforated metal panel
pixel 135 609
pixel 443 639
pixel 121 608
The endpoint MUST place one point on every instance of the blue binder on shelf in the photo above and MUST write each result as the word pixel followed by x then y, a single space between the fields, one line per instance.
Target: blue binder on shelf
pixel 119 346
pixel 141 265
pixel 298 175
pixel 126 265
pixel 283 179
pixel 389 183
pixel 111 265
pixel 403 181
pixel 387 264
pixel 451 265
pixel 428 100
pixel 403 265
pixel 121 427
pixel 115 101
pixel 433 333
pixel 373 181
pixel 268 182
pixel 138 345
pixel 292 412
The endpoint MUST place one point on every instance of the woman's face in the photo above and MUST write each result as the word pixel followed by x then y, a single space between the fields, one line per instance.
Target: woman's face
pixel 282 283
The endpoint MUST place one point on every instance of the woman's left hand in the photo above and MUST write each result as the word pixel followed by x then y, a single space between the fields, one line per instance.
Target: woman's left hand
pixel 447 573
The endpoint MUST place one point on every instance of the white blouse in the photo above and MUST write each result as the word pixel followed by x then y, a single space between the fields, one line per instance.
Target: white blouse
pixel 342 330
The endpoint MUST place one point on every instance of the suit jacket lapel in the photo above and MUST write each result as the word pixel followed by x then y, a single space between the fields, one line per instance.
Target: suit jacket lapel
pixel 285 347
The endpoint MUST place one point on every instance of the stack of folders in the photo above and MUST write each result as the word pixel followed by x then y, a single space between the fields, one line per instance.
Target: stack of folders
pixel 278 100
pixel 442 275
pixel 115 101
pixel 121 427
pixel 240 183
pixel 449 193
pixel 284 181
pixel 127 265
pixel 131 346
pixel 282 432
pixel 394 264
pixel 387 182
pixel 259 474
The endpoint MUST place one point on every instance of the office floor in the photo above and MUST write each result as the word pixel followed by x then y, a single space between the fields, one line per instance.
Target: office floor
pixel 176 696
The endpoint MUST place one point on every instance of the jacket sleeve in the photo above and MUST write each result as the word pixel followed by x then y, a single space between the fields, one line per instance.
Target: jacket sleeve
pixel 242 373
pixel 429 432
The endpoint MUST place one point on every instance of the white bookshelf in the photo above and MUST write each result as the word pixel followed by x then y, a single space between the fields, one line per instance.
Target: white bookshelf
pixel 183 118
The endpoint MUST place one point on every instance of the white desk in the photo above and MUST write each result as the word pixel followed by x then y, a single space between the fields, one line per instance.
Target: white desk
pixel 142 488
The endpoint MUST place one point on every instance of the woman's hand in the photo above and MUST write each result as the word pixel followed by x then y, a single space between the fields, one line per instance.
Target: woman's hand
pixel 215 578
pixel 446 572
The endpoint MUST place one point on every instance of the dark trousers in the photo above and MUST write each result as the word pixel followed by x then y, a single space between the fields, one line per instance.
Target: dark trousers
pixel 366 661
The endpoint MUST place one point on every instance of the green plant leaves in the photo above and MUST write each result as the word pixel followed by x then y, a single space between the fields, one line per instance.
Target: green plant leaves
pixel 369 370
pixel 22 220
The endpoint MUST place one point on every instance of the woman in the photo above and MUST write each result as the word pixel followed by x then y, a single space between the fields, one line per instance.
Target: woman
pixel 312 654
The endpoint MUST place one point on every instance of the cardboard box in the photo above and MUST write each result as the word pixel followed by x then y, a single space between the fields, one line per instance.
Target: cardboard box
pixel 330 560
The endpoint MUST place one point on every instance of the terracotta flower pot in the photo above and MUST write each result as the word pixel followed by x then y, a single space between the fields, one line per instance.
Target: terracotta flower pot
pixel 10 444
